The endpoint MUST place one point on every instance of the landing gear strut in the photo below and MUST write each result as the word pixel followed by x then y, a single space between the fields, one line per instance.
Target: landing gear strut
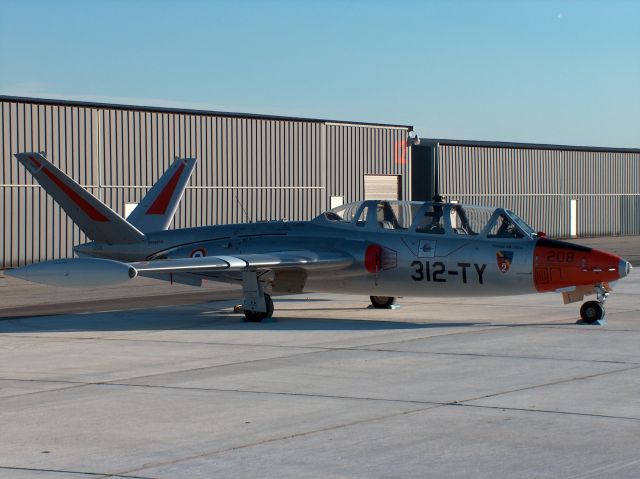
pixel 257 304
pixel 382 302
pixel 593 311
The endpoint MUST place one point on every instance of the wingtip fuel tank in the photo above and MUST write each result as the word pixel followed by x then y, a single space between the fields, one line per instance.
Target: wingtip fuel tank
pixel 76 272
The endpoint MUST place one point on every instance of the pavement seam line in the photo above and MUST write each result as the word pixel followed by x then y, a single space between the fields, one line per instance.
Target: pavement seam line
pixel 277 393
pixel 119 380
pixel 362 398
pixel 500 356
pixel 64 471
pixel 280 438
pixel 545 411
pixel 553 383
pixel 319 349
pixel 74 385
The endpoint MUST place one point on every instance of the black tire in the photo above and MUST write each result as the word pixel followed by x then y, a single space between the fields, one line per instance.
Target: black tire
pixel 382 302
pixel 591 311
pixel 258 316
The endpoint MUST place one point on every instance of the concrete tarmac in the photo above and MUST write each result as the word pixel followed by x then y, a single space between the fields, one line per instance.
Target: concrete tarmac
pixel 445 388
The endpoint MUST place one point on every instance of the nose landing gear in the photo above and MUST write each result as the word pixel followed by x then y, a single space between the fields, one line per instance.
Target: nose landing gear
pixel 592 312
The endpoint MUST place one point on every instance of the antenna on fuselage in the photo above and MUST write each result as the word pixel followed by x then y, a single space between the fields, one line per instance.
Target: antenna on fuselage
pixel 246 215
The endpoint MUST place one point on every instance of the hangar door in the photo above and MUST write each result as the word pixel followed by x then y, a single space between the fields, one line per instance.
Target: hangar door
pixel 382 187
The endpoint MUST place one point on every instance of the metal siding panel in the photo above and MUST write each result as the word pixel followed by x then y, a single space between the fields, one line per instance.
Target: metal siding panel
pixel 5 145
pixel 258 155
pixel 15 227
pixel 136 176
pixel 5 207
pixel 7 224
pixel 543 179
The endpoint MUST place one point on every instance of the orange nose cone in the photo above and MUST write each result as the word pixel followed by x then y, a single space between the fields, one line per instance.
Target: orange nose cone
pixel 558 264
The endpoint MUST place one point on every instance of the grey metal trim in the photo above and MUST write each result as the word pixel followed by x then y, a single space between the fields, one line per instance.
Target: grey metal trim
pixel 188 111
pixel 535 195
pixel 435 142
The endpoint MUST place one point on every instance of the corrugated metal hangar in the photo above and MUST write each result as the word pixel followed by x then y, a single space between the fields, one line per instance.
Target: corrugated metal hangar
pixel 565 191
pixel 251 167
pixel 258 167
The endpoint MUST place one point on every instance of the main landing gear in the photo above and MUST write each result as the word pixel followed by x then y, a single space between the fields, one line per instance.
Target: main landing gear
pixel 592 312
pixel 382 302
pixel 257 304
pixel 258 316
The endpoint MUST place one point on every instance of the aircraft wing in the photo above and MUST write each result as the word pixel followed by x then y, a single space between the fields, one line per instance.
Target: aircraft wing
pixel 307 260
pixel 92 272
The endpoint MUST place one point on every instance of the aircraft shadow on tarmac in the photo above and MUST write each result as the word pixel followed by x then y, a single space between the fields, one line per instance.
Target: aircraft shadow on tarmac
pixel 169 318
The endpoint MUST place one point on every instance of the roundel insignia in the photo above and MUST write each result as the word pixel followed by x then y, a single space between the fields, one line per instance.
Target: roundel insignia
pixel 198 253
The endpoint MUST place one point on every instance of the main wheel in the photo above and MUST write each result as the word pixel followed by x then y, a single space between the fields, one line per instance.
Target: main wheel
pixel 382 302
pixel 591 311
pixel 258 316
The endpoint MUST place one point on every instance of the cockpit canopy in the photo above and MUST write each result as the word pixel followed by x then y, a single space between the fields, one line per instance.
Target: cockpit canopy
pixel 430 218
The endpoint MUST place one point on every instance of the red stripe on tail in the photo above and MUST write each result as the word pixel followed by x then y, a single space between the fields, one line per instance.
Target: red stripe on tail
pixel 35 162
pixel 161 203
pixel 89 209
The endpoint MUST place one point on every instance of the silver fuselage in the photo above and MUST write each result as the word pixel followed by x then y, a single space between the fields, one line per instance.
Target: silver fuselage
pixel 452 266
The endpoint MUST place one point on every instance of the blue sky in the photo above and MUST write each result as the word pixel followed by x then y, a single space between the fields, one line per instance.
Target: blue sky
pixel 563 72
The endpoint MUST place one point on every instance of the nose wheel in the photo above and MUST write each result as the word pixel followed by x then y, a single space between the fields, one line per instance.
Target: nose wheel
pixel 382 302
pixel 593 311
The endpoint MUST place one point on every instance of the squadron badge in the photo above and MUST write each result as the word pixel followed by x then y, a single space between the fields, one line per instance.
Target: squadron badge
pixel 504 259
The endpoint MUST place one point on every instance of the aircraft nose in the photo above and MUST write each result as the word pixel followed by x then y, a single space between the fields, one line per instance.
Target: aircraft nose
pixel 624 268
pixel 559 264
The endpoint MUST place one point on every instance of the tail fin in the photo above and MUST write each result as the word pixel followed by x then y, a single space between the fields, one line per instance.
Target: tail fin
pixel 97 220
pixel 156 210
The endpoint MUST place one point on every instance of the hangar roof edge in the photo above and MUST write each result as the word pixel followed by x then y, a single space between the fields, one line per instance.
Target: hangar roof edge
pixel 160 109
pixel 531 146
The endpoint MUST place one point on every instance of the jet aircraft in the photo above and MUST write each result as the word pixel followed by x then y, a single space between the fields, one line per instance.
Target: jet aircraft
pixel 379 248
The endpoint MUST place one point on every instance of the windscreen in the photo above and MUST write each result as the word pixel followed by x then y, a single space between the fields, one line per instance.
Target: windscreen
pixel 344 213
pixel 528 230
pixel 469 220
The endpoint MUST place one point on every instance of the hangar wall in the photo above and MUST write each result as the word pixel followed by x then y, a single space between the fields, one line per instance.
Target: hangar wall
pixel 251 167
pixel 539 182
